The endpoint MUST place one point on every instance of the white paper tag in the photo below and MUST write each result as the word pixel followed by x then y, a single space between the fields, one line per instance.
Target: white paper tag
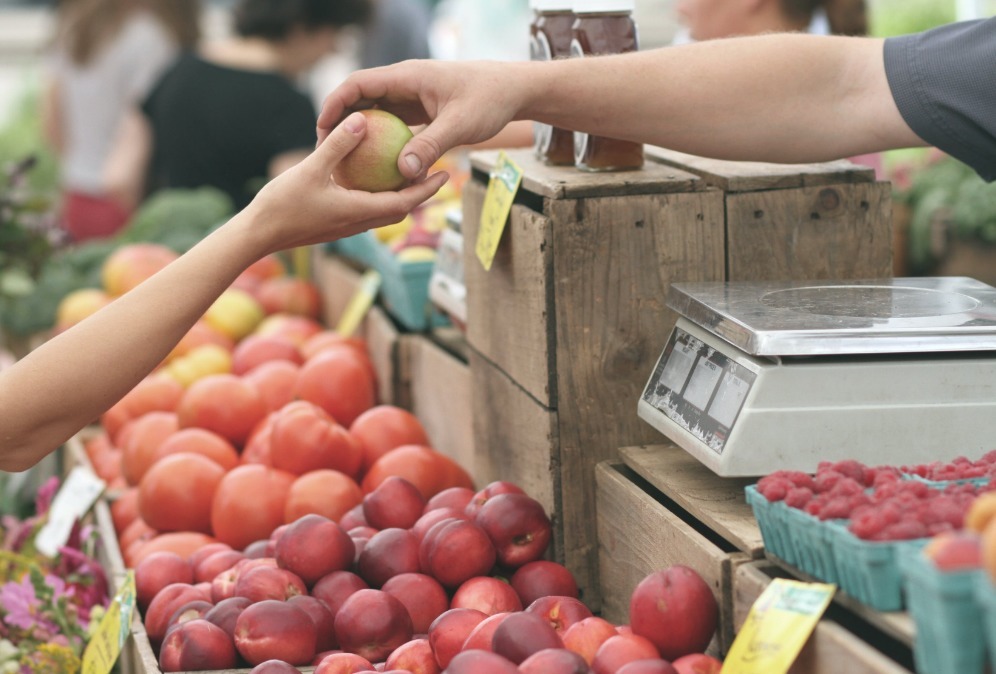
pixel 77 494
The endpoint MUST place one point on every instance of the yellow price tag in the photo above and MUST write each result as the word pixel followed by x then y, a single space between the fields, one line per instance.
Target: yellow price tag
pixel 777 627
pixel 112 631
pixel 502 186
pixel 359 303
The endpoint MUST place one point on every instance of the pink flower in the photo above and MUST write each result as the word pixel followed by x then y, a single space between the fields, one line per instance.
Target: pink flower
pixel 20 604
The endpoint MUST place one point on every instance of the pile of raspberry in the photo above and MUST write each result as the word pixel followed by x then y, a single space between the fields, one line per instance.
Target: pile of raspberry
pixel 878 503
pixel 961 468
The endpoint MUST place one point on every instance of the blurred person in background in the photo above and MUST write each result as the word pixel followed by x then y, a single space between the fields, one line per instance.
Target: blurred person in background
pixel 231 115
pixel 105 56
pixel 398 31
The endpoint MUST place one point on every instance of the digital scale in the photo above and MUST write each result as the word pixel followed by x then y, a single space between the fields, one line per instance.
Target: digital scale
pixel 761 376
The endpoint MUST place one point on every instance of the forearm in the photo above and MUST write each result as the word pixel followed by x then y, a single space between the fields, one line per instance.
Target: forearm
pixel 70 380
pixel 780 98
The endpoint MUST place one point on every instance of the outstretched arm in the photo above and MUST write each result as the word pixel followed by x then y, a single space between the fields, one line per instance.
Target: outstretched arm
pixel 781 98
pixel 70 380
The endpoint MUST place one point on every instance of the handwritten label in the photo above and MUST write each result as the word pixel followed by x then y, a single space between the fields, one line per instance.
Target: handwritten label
pixel 77 494
pixel 112 632
pixel 359 303
pixel 502 186
pixel 777 627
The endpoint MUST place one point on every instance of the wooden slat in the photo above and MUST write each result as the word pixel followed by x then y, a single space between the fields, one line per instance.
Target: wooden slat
pixel 509 318
pixel 442 400
pixel 638 535
pixel 717 501
pixel 567 182
pixel 383 344
pixel 336 281
pixel 748 176
pixel 614 261
pixel 829 232
pixel 831 649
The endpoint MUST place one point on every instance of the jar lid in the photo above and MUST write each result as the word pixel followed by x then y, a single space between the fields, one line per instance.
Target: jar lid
pixel 551 5
pixel 593 6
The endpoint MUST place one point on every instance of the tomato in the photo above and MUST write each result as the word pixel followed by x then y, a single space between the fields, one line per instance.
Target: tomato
pixel 255 350
pixel 257 449
pixel 124 509
pixel 200 441
pixel 383 428
pixel 222 403
pixel 275 381
pixel 183 543
pixel 325 338
pixel 424 467
pixel 322 492
pixel 176 492
pixel 339 382
pixel 305 438
pixel 144 436
pixel 249 504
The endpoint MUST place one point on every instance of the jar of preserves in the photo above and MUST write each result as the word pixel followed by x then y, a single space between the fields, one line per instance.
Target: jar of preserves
pixel 550 36
pixel 604 27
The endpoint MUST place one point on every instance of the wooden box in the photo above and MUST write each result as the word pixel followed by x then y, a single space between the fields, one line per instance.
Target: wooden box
pixel 698 520
pixel 565 328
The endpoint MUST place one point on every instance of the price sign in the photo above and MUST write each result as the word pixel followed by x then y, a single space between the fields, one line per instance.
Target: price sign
pixel 359 303
pixel 777 627
pixel 112 632
pixel 79 491
pixel 502 186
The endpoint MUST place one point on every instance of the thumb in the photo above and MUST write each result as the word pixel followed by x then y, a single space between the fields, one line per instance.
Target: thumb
pixel 426 147
pixel 342 139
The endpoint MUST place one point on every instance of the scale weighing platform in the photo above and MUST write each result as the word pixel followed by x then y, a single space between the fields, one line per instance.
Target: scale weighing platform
pixel 762 376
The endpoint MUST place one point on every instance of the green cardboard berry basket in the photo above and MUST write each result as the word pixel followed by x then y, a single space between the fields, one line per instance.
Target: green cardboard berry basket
pixel 771 520
pixel 950 630
pixel 814 544
pixel 869 571
pixel 985 599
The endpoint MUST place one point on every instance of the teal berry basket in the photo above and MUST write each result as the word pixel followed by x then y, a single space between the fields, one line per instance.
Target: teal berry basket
pixel 771 520
pixel 985 599
pixel 404 291
pixel 869 571
pixel 813 539
pixel 950 627
pixel 361 248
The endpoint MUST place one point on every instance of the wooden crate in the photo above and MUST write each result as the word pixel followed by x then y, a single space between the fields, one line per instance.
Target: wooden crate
pixel 572 313
pixel 440 388
pixel 641 530
pixel 834 648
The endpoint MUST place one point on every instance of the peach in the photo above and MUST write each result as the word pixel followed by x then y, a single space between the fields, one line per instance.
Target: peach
pixel 954 550
pixel 433 517
pixel 343 663
pixel 192 610
pixel 415 657
pixel 209 568
pixel 697 663
pixel 657 666
pixel 486 594
pixel 335 588
pixel 274 667
pixel 481 496
pixel 450 630
pixel 195 645
pixel 275 630
pixel 390 552
pixel 164 605
pixel 543 578
pixel 314 546
pixel 585 636
pixel 206 551
pixel 522 634
pixel 454 497
pixel 422 595
pixel 480 662
pixel 372 623
pixel 620 650
pixel 226 612
pixel 324 621
pixel 517 525
pixel 560 612
pixel 157 571
pixel 395 502
pixel 354 518
pixel 265 582
pixel 481 638
pixel 676 610
pixel 454 551
pixel 554 661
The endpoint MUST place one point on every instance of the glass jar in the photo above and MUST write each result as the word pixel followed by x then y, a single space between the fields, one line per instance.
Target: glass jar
pixel 604 27
pixel 550 36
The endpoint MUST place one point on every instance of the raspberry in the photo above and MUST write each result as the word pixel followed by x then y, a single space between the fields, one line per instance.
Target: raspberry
pixel 800 479
pixel 825 481
pixel 852 469
pixel 773 487
pixel 867 525
pixel 904 530
pixel 798 497
pixel 938 527
pixel 989 457
pixel 885 491
pixel 814 507
pixel 836 509
pixel 858 500
pixel 915 488
pixel 847 487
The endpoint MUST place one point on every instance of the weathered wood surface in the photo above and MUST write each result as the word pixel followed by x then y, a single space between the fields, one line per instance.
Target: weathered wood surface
pixel 637 535
pixel 718 502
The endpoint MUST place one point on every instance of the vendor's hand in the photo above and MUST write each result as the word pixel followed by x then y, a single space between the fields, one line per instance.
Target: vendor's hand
pixel 304 206
pixel 461 104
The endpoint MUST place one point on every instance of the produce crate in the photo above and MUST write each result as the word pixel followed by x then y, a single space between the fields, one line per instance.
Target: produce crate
pixel 571 318
pixel 641 531
pixel 870 570
pixel 840 644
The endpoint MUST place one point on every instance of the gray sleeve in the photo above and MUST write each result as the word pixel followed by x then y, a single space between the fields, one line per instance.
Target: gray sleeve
pixel 944 83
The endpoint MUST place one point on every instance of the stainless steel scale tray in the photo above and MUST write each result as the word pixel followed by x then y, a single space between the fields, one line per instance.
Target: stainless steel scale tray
pixel 875 316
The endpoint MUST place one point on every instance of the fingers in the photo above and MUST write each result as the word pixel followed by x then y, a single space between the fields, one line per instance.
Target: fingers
pixel 341 140
pixel 428 145
pixel 388 207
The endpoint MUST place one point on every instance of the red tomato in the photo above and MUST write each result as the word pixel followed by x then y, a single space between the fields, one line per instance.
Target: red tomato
pixel 305 438
pixel 383 428
pixel 338 381
pixel 249 504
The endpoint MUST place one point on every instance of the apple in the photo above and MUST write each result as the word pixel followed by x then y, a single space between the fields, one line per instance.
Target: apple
pixel 158 570
pixel 448 632
pixel 395 502
pixel 321 615
pixel 697 663
pixel 372 623
pixel 265 582
pixel 197 644
pixel 490 490
pixel 522 634
pixel 587 635
pixel 676 610
pixel 560 612
pixel 481 638
pixel 226 612
pixel 554 661
pixel 480 662
pixel 274 667
pixel 414 657
pixel 335 588
pixel 518 527
pixel 620 650
pixel 390 552
pixel 543 578
pixel 422 595
pixel 654 666
pixel 343 663
pixel 372 166
pixel 454 551
pixel 486 594
pixel 275 630
pixel 314 546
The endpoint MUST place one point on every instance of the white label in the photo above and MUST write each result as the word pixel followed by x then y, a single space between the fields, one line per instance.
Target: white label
pixel 728 400
pixel 76 495
pixel 703 383
pixel 679 364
